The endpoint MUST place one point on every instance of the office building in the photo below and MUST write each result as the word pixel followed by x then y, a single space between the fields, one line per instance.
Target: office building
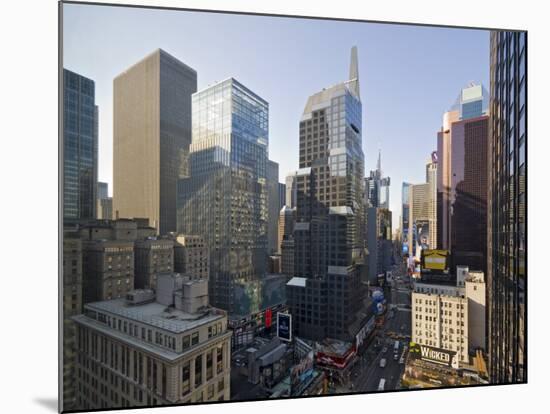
pixel 325 297
pixel 152 255
pixel 282 195
pixel 273 209
pixel 290 187
pixel 225 198
pixel 451 317
pixel 104 206
pixel 287 219
pixel 148 349
pixel 462 183
pixel 191 256
pixel 379 242
pixel 506 264
pixel 72 305
pixel 287 255
pixel 151 137
pixel 80 136
pixel 406 233
pixel 377 187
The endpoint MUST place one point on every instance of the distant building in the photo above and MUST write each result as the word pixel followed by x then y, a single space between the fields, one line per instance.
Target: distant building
pixel 168 348
pixel 225 199
pixel 377 187
pixel 406 230
pixel 80 143
pixel 507 212
pixel 104 202
pixel 72 305
pixel 462 179
pixel 290 188
pixel 273 202
pixel 151 138
pixel 191 256
pixel 379 242
pixel 152 256
pixel 282 195
pixel 287 219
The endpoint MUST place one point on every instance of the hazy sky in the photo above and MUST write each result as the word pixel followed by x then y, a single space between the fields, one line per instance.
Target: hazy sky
pixel 409 75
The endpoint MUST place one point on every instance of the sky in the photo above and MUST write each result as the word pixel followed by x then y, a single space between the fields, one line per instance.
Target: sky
pixel 409 75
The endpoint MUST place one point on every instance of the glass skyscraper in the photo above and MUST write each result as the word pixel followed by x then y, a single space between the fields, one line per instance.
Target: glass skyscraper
pixel 507 276
pixel 225 197
pixel 80 121
pixel 325 296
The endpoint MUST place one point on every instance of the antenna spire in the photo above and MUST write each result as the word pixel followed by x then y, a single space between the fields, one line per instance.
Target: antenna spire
pixel 354 72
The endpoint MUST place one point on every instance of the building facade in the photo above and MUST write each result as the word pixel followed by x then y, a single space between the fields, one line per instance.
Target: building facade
pixel 151 138
pixel 80 137
pixel 287 219
pixel 290 188
pixel 132 352
pixel 462 190
pixel 191 256
pixel 225 198
pixel 152 255
pixel 329 234
pixel 506 264
pixel 72 305
pixel 273 202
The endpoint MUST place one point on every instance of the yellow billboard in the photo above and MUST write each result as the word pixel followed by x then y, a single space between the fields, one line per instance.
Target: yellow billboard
pixel 435 259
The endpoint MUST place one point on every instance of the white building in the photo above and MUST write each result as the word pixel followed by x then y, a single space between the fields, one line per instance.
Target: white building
pixel 147 349
pixel 451 317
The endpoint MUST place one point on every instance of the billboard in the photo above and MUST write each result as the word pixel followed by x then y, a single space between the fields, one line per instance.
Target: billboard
pixel 284 326
pixel 431 354
pixel 435 260
pixel 423 232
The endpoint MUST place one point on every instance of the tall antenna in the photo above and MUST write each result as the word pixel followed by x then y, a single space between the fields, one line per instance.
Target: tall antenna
pixel 354 73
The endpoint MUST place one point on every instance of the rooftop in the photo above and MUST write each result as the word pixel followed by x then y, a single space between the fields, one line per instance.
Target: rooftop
pixel 156 314
pixel 297 281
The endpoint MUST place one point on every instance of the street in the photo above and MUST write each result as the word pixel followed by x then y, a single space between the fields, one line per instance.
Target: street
pixel 367 372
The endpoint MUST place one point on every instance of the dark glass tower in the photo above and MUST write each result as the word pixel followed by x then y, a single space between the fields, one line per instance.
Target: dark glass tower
pixel 507 277
pixel 225 198
pixel 79 148
pixel 325 296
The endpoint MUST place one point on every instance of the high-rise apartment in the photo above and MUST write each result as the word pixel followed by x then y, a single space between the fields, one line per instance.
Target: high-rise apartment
pixel 507 160
pixel 225 198
pixel 151 137
pixel 80 135
pixel 325 298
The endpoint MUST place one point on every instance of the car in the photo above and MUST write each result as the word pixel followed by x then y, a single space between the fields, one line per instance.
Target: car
pixel 395 357
pixel 381 384
pixel 401 360
pixel 382 362
pixel 385 349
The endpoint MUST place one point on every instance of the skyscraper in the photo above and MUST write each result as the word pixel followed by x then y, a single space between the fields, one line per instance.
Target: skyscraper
pixel 325 296
pixel 104 202
pixel 80 126
pixel 152 133
pixel 377 188
pixel 290 187
pixel 462 189
pixel 506 265
pixel 225 198
pixel 406 233
pixel 272 206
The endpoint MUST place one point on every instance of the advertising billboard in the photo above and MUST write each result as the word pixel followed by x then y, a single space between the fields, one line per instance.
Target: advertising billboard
pixel 431 354
pixel 284 326
pixel 434 260
pixel 423 232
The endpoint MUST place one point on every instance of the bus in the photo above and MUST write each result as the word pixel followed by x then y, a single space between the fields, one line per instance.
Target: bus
pixel 381 384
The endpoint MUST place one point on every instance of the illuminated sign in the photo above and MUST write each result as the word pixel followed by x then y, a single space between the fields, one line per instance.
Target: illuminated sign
pixel 284 326
pixel 435 259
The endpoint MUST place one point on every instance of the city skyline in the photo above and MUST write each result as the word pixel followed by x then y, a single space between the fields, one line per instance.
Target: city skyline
pixel 450 59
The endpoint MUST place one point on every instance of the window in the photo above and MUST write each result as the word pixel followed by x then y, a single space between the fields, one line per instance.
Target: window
pixel 195 338
pixel 198 371
pixel 185 378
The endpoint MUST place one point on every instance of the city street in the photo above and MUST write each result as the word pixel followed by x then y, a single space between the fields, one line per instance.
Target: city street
pixel 367 372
